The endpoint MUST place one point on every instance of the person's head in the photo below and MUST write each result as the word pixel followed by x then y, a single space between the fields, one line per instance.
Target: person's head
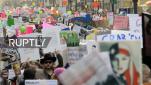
pixel 29 73
pixel 48 61
pixel 4 74
pixel 120 58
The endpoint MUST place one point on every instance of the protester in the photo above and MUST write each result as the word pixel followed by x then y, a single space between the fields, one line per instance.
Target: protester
pixel 48 67
pixel 4 77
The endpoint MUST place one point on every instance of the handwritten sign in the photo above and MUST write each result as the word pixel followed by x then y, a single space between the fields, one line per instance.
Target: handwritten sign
pixel 135 23
pixel 54 44
pixel 11 73
pixel 119 37
pixel 110 17
pixel 121 22
pixel 29 54
pixel 41 82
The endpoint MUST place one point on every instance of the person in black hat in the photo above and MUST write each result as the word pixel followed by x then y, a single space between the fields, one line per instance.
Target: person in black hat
pixel 48 65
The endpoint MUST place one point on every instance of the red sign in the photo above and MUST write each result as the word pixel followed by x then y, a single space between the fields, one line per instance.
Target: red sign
pixel 121 23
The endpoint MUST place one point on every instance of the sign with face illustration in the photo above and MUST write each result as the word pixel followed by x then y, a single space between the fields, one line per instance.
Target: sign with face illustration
pixel 125 60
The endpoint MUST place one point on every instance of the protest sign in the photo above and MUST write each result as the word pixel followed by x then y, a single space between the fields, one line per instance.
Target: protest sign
pixel 23 30
pixel 71 38
pixel 119 36
pixel 135 23
pixel 29 54
pixel 11 73
pixel 12 53
pixel 125 59
pixel 47 26
pixel 41 82
pixel 1 64
pixel 110 18
pixel 54 43
pixel 121 23
pixel 73 55
pixel 90 70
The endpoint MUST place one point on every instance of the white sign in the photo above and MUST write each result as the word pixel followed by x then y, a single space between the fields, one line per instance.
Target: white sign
pixel 11 73
pixel 41 82
pixel 135 23
pixel 54 43
pixel 119 36
pixel 29 54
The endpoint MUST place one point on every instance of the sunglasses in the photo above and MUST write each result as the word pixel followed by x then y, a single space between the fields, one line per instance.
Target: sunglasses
pixel 47 62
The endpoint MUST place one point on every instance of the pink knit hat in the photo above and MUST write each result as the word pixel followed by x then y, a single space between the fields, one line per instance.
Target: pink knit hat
pixel 58 71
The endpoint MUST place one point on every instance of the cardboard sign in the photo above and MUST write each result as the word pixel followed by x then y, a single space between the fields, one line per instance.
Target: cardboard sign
pixel 121 22
pixel 135 23
pixel 41 82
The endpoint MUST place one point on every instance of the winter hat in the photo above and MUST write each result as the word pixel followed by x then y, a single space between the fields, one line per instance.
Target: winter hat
pixel 58 71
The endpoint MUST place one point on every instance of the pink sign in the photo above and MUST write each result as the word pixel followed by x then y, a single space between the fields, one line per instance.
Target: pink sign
pixel 2 15
pixel 29 30
pixel 121 23
pixel 46 25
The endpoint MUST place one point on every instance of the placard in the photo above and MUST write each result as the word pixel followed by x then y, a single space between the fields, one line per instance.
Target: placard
pixel 110 18
pixel 11 73
pixel 41 82
pixel 121 23
pixel 54 43
pixel 92 69
pixel 126 61
pixel 120 36
pixel 29 54
pixel 28 30
pixel 135 23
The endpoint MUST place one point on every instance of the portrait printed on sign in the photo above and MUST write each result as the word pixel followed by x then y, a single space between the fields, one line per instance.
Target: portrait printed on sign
pixel 146 34
pixel 125 60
